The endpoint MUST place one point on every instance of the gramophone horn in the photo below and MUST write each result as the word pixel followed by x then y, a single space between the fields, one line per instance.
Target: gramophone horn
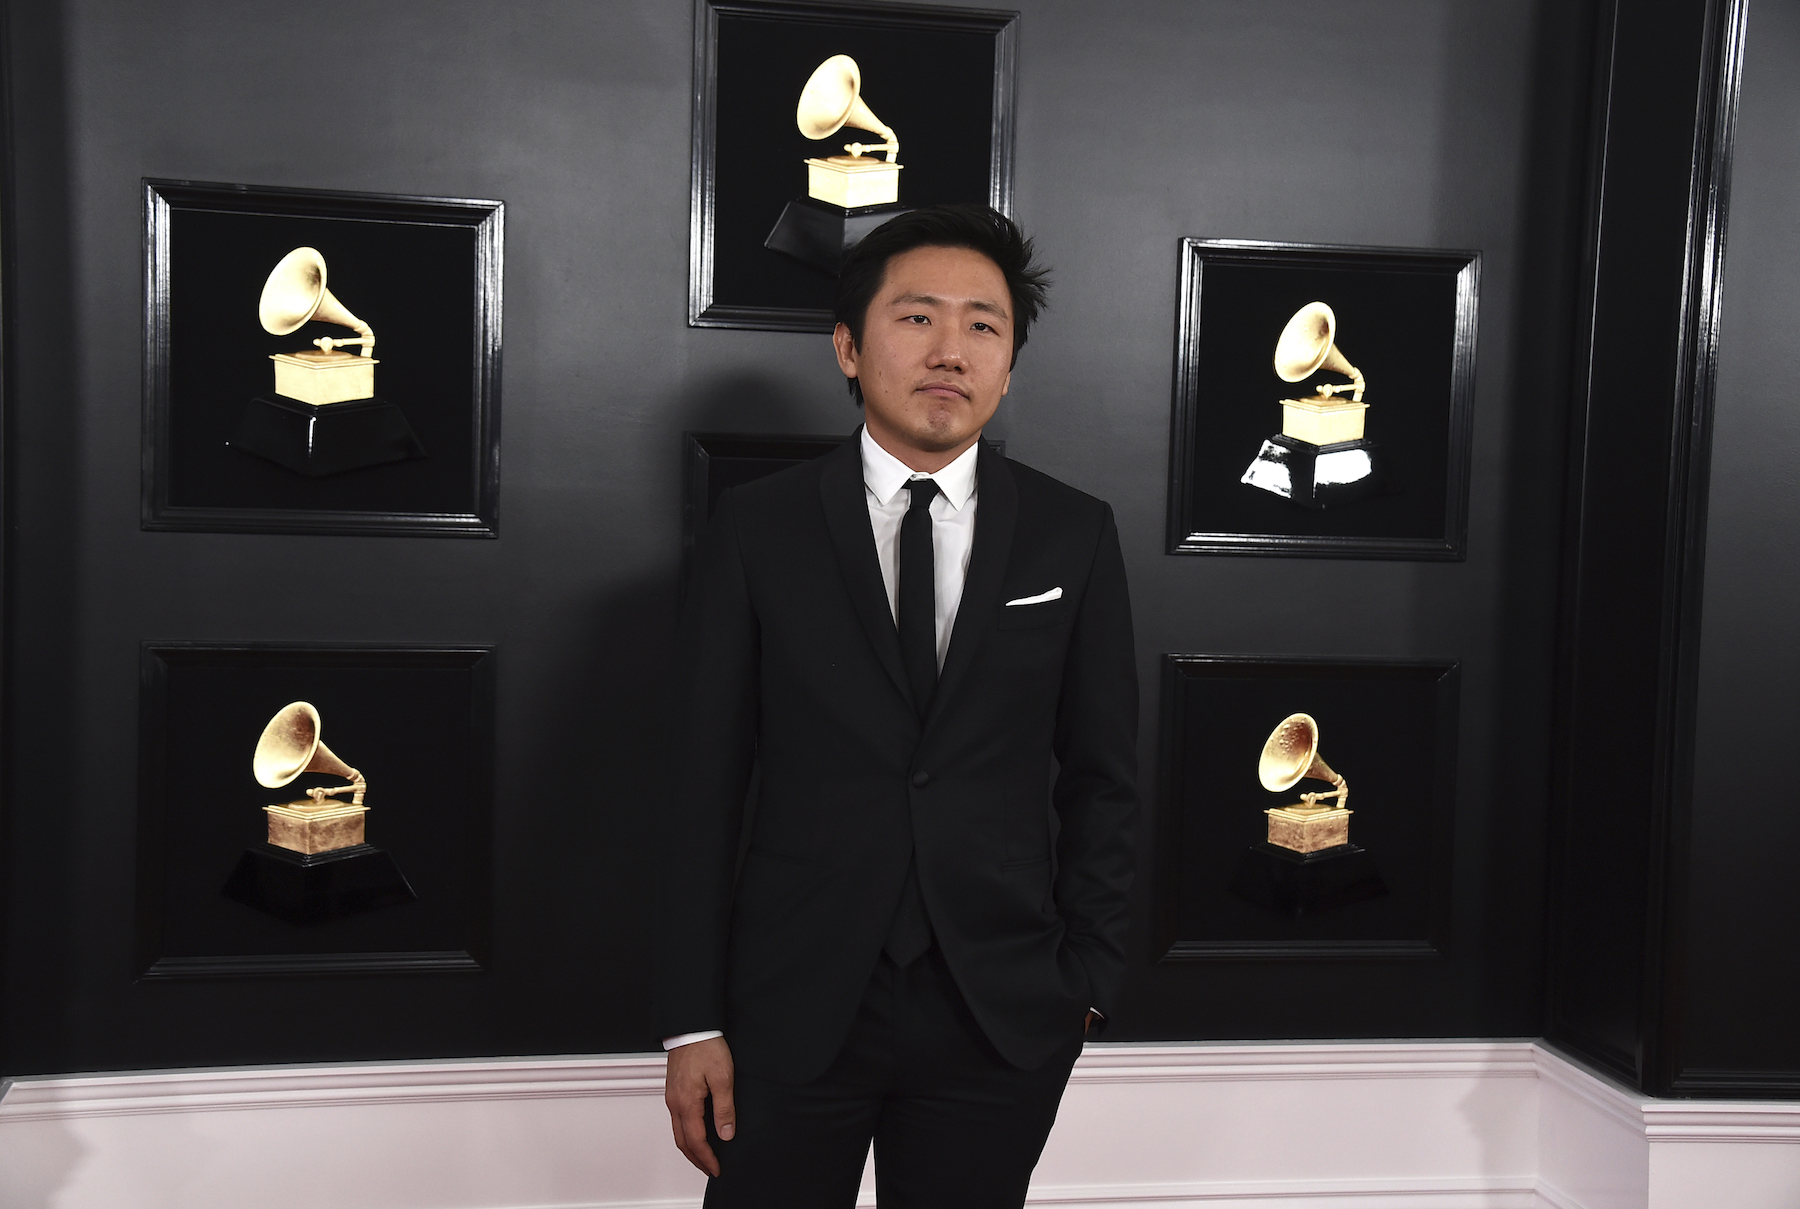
pixel 296 293
pixel 1306 347
pixel 1292 754
pixel 290 746
pixel 832 99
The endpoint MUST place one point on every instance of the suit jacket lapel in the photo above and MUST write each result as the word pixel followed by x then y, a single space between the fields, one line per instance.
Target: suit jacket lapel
pixel 847 518
pixel 996 516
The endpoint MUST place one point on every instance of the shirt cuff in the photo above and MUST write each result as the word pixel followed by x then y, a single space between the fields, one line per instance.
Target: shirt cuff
pixel 681 1039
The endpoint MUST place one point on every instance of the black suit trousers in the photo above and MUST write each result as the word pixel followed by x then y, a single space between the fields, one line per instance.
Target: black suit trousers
pixel 954 1125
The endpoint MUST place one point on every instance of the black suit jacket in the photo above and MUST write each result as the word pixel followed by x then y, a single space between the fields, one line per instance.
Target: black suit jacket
pixel 775 918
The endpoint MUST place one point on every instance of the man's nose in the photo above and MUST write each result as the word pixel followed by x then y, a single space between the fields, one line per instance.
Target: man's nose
pixel 946 352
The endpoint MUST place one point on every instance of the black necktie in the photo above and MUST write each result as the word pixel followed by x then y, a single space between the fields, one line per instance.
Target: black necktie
pixel 909 934
pixel 917 612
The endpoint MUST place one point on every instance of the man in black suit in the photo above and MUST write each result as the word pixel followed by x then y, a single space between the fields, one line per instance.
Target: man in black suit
pixel 895 941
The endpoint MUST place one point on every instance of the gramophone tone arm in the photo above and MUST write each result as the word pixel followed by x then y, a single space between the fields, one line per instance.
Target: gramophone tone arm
pixel 892 146
pixel 366 339
pixel 1356 386
pixel 1340 790
pixel 357 786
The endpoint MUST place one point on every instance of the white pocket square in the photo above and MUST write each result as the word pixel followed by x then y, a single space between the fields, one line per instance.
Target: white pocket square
pixel 1040 598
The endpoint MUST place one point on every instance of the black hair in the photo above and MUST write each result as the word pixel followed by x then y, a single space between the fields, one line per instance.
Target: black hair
pixel 981 229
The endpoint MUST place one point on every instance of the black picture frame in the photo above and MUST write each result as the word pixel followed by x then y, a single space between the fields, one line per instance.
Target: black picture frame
pixel 1389 727
pixel 425 272
pixel 1406 316
pixel 418 720
pixel 747 160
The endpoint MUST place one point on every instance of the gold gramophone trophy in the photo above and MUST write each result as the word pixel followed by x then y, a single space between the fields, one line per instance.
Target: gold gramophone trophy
pixel 323 416
pixel 847 196
pixel 290 745
pixel 294 295
pixel 317 863
pixel 1308 863
pixel 1290 756
pixel 1320 457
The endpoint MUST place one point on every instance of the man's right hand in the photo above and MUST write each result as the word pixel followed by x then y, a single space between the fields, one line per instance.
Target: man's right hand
pixel 698 1070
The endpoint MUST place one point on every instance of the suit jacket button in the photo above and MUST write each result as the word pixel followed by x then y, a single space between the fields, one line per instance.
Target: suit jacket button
pixel 921 780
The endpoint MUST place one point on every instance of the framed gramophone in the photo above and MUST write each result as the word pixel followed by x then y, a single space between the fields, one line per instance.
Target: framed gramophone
pixel 268 407
pixel 316 864
pixel 799 116
pixel 1320 457
pixel 323 416
pixel 1373 452
pixel 1307 863
pixel 1260 853
pixel 849 195
pixel 313 809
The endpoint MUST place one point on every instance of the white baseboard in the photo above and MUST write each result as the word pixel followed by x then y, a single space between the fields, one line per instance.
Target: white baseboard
pixel 1363 1125
pixel 1309 1194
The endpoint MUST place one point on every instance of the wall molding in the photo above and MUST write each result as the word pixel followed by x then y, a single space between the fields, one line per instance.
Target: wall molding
pixel 1672 1120
pixel 1135 1062
pixel 1429 1125
pixel 242 1089
pixel 318 1085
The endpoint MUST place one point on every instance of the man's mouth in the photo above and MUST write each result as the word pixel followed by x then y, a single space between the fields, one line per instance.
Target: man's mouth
pixel 944 390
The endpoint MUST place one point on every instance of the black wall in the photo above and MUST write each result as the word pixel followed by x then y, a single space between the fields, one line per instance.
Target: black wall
pixel 1411 123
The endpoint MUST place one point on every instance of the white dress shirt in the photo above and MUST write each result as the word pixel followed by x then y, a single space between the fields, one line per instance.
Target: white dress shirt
pixel 952 542
pixel 952 531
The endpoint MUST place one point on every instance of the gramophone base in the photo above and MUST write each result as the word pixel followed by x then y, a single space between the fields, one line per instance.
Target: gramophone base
pixel 315 828
pixel 331 438
pixel 314 889
pixel 1291 883
pixel 1323 421
pixel 1316 476
pixel 821 234
pixel 1305 829
pixel 316 377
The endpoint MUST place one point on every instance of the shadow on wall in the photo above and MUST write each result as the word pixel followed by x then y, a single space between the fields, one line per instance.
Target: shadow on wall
pixel 598 754
pixel 37 1161
pixel 596 762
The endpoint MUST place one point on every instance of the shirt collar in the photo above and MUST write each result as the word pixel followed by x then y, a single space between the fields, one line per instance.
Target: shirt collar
pixel 886 475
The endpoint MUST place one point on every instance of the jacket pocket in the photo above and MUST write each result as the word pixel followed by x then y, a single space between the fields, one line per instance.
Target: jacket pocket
pixel 1035 616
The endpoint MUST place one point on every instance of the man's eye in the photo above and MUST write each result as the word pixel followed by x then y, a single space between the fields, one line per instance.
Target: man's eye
pixel 917 319
pixel 982 327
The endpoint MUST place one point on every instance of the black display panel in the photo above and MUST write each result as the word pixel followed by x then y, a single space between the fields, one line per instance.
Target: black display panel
pixel 416 721
pixel 1389 729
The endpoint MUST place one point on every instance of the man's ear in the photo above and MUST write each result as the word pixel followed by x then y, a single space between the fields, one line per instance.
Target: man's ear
pixel 845 344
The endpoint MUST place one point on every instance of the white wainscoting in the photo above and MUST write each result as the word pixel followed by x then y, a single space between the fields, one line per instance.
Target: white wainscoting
pixel 1376 1125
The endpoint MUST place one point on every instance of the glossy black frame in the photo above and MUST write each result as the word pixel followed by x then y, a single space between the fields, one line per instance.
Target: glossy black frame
pixel 154 662
pixel 1185 532
pixel 1170 946
pixel 487 218
pixel 1004 25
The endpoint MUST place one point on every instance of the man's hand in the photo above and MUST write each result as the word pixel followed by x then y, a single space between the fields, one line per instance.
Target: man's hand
pixel 698 1070
pixel 1089 1022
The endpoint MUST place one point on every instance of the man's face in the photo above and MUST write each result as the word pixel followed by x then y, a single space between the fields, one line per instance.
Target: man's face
pixel 936 351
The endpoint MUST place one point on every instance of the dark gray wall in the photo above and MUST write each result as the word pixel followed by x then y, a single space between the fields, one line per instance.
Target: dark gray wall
pixel 1409 122
pixel 1742 956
